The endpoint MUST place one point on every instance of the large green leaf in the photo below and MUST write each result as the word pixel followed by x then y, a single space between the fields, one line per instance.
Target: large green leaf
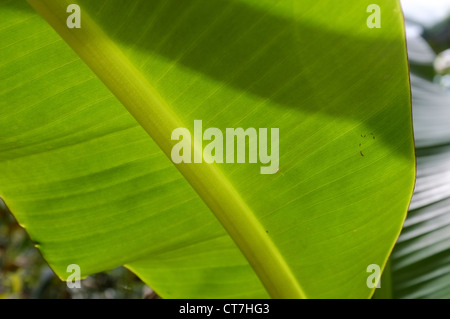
pixel 91 188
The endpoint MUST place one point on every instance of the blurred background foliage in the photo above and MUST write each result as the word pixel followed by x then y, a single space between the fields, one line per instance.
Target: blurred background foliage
pixel 420 262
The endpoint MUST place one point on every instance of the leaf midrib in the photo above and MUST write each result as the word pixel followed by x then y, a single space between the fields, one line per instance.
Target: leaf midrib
pixel 144 103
